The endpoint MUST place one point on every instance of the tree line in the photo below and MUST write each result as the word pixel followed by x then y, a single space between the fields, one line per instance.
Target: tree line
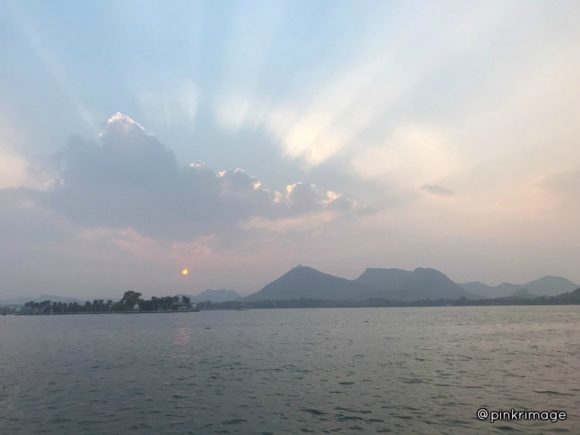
pixel 131 301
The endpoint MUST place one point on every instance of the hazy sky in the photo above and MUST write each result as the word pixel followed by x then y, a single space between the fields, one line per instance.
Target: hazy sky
pixel 239 139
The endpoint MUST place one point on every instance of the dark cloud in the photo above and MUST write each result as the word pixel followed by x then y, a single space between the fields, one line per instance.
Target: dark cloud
pixel 435 190
pixel 130 179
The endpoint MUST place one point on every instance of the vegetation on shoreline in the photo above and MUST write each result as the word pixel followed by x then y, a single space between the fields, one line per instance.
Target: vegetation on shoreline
pixel 130 302
pixel 571 298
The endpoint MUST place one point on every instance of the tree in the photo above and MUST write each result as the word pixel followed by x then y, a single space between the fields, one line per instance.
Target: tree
pixel 130 298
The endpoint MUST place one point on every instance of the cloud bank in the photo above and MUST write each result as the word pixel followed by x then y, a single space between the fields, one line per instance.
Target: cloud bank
pixel 128 179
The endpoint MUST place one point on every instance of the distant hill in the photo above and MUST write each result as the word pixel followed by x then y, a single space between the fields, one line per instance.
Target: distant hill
pixel 306 282
pixel 391 284
pixel 546 286
pixel 419 284
pixel 53 298
pixel 386 279
pixel 221 295
pixel 550 286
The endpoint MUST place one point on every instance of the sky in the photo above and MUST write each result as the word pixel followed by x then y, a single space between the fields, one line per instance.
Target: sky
pixel 238 139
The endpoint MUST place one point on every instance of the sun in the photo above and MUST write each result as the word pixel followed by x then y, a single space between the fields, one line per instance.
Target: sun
pixel 184 271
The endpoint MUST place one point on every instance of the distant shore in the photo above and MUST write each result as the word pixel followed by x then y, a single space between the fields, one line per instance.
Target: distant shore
pixel 572 298
pixel 97 313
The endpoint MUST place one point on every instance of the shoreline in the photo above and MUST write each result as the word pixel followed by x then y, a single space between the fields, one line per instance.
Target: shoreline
pixel 279 305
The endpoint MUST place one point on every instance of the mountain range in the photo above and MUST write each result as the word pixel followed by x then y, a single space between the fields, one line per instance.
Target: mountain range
pixel 304 282
pixel 546 286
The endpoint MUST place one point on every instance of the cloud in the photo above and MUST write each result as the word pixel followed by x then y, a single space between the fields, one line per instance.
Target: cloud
pixel 128 179
pixel 123 201
pixel 13 169
pixel 410 155
pixel 436 190
pixel 289 225
pixel 303 197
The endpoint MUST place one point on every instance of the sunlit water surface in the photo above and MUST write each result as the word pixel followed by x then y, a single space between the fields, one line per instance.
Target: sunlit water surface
pixel 399 370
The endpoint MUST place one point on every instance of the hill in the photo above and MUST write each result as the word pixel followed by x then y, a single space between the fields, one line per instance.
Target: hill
pixel 545 286
pixel 391 284
pixel 306 282
pixel 419 284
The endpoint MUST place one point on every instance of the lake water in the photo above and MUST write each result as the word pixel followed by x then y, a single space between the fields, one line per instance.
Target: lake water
pixel 399 370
